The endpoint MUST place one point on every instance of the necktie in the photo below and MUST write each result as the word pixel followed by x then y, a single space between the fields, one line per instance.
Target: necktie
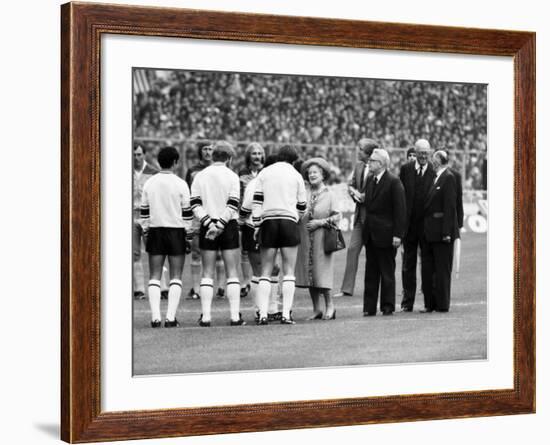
pixel 364 176
pixel 419 171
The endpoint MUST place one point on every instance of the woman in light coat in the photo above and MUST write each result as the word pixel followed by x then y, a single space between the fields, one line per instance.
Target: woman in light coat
pixel 314 268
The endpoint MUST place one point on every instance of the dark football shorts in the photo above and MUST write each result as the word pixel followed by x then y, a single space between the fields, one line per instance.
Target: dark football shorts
pixel 166 241
pixel 248 241
pixel 279 233
pixel 228 239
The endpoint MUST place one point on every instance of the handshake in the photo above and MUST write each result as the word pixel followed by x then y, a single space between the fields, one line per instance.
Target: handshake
pixel 356 195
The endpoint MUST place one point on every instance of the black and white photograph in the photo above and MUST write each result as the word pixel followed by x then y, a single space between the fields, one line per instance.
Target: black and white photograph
pixel 287 221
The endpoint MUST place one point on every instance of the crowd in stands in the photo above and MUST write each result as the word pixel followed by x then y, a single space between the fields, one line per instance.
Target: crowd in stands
pixel 322 116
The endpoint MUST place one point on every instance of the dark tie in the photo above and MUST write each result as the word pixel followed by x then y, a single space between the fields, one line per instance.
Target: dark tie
pixel 363 177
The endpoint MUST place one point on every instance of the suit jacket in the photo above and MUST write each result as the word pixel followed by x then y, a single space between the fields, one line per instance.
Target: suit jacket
pixel 407 175
pixel 459 206
pixel 357 182
pixel 440 219
pixel 385 210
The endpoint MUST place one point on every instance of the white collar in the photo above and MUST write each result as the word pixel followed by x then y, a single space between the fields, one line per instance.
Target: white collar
pixel 139 172
pixel 417 166
pixel 438 173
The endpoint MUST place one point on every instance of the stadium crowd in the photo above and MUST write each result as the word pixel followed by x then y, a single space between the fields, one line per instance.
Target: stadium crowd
pixel 321 116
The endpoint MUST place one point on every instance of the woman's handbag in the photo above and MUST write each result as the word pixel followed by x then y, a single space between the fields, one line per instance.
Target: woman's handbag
pixel 334 240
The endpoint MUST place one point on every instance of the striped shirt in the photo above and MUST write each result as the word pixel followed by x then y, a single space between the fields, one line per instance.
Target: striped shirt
pixel 165 202
pixel 280 194
pixel 215 195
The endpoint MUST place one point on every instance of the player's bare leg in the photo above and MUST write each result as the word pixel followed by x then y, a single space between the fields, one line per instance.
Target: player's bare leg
pixel 220 276
pixel 256 265
pixel 195 267
pixel 138 276
pixel 246 272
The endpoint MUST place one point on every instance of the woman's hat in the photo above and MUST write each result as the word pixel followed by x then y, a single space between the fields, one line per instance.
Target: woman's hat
pixel 320 162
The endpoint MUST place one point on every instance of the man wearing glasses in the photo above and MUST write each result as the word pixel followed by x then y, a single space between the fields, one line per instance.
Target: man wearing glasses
pixel 356 189
pixel 417 177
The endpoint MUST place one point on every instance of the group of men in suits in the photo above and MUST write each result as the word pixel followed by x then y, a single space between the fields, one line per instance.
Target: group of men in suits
pixel 422 208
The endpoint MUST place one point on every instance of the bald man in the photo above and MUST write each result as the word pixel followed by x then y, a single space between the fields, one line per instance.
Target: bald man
pixel 440 231
pixel 417 177
pixel 356 189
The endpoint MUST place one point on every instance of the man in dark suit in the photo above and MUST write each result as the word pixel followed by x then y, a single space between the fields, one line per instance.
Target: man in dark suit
pixel 417 178
pixel 356 189
pixel 440 231
pixel 383 231
pixel 459 205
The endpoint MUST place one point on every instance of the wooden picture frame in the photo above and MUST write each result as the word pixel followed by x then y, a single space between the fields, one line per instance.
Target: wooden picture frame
pixel 82 26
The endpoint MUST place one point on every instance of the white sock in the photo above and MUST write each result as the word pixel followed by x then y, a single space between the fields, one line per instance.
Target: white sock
pixel 289 285
pixel 233 290
pixel 206 291
pixel 264 289
pixel 254 291
pixel 154 299
pixel 274 296
pixel 174 294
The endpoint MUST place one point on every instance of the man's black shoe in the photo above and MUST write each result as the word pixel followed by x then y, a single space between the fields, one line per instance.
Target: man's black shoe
pixel 387 312
pixel 288 320
pixel 204 324
pixel 275 317
pixel 369 314
pixel 192 295
pixel 156 324
pixel 245 290
pixel 171 324
pixel 262 321
pixel 239 322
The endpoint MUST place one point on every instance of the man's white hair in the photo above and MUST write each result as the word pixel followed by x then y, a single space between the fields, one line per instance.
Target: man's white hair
pixel 422 144
pixel 442 156
pixel 383 155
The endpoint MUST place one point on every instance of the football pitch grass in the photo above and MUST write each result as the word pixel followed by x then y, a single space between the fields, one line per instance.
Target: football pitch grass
pixel 350 339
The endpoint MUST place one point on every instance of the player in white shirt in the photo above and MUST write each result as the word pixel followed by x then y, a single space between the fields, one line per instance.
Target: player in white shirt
pixel 215 199
pixel 279 203
pixel 166 218
pixel 251 246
